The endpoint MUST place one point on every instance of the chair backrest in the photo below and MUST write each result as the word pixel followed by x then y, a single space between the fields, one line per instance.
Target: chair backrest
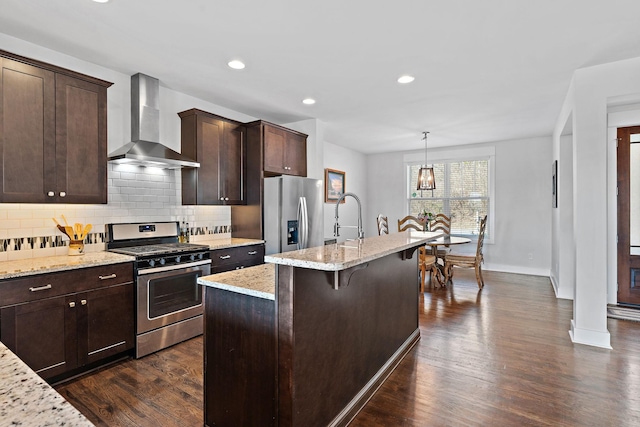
pixel 483 226
pixel 383 225
pixel 441 222
pixel 408 222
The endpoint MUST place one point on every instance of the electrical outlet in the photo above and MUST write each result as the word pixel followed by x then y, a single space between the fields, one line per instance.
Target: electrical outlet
pixel 530 256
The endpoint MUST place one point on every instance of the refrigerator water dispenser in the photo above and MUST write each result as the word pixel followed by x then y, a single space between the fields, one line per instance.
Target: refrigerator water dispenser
pixel 292 232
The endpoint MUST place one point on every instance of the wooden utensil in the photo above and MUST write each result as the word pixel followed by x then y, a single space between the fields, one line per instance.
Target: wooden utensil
pixel 87 229
pixel 65 220
pixel 77 230
pixel 63 229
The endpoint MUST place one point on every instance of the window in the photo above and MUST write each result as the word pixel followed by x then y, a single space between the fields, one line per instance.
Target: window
pixel 462 191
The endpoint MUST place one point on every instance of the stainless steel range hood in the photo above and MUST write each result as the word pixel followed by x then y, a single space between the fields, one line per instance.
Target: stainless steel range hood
pixel 144 148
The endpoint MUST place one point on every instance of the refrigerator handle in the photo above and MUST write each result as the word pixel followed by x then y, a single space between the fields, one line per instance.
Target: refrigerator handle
pixel 303 224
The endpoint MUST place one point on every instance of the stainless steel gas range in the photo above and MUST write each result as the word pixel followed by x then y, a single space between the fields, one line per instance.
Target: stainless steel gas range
pixel 168 298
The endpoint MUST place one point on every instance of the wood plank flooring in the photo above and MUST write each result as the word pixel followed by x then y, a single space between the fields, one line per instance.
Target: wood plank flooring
pixel 500 356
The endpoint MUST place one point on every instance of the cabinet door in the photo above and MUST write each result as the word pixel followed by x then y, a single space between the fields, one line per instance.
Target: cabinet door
pixel 81 141
pixel 232 161
pixel 210 134
pixel 274 148
pixel 42 334
pixel 27 132
pixel 295 155
pixel 105 322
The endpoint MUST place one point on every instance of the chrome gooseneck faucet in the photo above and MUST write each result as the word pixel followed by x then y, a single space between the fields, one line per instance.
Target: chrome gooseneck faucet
pixel 337 226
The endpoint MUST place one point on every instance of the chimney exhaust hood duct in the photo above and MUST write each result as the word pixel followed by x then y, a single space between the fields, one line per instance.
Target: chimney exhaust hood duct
pixel 144 148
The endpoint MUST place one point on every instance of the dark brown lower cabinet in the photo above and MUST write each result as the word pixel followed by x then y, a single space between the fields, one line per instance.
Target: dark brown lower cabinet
pixel 60 334
pixel 240 360
pixel 236 258
pixel 42 334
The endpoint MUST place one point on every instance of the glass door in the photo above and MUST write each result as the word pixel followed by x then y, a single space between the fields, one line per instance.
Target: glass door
pixel 628 165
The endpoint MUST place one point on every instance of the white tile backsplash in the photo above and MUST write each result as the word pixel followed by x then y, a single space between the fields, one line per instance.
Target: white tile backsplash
pixel 135 194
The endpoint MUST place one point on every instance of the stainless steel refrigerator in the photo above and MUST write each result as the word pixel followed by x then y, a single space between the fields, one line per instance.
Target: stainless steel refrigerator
pixel 293 213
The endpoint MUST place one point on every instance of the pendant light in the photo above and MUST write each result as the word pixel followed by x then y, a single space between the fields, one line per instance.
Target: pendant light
pixel 426 178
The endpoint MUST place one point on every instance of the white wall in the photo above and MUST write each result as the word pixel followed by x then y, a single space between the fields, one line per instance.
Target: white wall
pixel 522 205
pixel 591 92
pixel 354 164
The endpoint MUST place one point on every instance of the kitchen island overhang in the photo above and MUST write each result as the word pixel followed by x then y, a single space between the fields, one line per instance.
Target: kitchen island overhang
pixel 344 316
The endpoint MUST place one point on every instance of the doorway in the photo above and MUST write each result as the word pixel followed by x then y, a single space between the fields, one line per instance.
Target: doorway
pixel 628 165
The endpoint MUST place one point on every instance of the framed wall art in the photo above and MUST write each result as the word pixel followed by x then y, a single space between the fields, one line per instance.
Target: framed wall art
pixel 334 185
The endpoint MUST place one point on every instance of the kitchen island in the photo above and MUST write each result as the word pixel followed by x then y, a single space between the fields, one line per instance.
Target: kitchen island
pixel 307 341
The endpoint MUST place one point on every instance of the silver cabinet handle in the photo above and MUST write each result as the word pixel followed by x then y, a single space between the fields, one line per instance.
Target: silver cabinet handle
pixel 41 288
pixel 252 252
pixel 62 194
pixel 221 198
pixel 51 194
pixel 226 198
pixel 111 276
pixel 83 302
pixel 225 256
pixel 72 304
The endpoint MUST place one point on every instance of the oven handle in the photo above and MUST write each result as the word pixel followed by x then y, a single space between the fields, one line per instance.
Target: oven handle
pixel 172 267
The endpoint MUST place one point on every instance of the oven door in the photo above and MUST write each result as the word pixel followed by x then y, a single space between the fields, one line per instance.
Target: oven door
pixel 166 295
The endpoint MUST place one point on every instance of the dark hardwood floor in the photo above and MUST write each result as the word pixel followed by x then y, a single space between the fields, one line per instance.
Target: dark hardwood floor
pixel 500 356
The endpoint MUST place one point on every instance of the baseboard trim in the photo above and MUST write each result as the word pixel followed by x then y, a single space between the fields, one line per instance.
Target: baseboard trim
pixel 366 393
pixel 517 269
pixel 589 337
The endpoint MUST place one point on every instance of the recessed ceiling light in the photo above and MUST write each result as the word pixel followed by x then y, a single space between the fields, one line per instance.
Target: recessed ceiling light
pixel 236 65
pixel 309 101
pixel 405 79
pixel 101 1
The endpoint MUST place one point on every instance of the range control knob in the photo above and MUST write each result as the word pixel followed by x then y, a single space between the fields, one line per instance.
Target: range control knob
pixel 200 255
pixel 178 259
pixel 162 261
pixel 152 262
pixel 192 257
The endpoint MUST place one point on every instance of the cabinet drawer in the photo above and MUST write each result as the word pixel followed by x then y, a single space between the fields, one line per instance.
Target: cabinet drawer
pixel 237 256
pixel 32 288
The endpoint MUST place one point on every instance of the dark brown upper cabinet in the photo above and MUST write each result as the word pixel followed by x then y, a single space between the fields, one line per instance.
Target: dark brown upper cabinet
pixel 53 133
pixel 219 144
pixel 285 150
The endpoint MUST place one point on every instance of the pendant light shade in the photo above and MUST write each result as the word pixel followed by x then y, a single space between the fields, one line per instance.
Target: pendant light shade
pixel 426 178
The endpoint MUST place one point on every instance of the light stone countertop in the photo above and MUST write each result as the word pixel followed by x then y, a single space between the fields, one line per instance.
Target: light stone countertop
pixel 340 256
pixel 227 242
pixel 27 400
pixel 258 281
pixel 32 266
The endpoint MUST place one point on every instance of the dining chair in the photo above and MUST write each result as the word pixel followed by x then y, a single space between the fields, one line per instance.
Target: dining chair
pixel 410 222
pixel 441 222
pixel 426 263
pixel 467 261
pixel 383 225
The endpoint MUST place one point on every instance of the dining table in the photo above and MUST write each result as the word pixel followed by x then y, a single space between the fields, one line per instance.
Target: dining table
pixel 446 240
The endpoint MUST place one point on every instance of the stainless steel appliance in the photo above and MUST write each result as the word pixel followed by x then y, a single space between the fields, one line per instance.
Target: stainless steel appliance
pixel 293 213
pixel 168 298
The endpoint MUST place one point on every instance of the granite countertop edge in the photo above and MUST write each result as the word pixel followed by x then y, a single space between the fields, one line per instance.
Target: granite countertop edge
pixel 257 281
pixel 33 266
pixel 26 399
pixel 232 242
pixel 341 256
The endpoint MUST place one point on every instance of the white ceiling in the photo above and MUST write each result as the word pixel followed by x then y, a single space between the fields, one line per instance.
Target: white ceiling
pixel 485 70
